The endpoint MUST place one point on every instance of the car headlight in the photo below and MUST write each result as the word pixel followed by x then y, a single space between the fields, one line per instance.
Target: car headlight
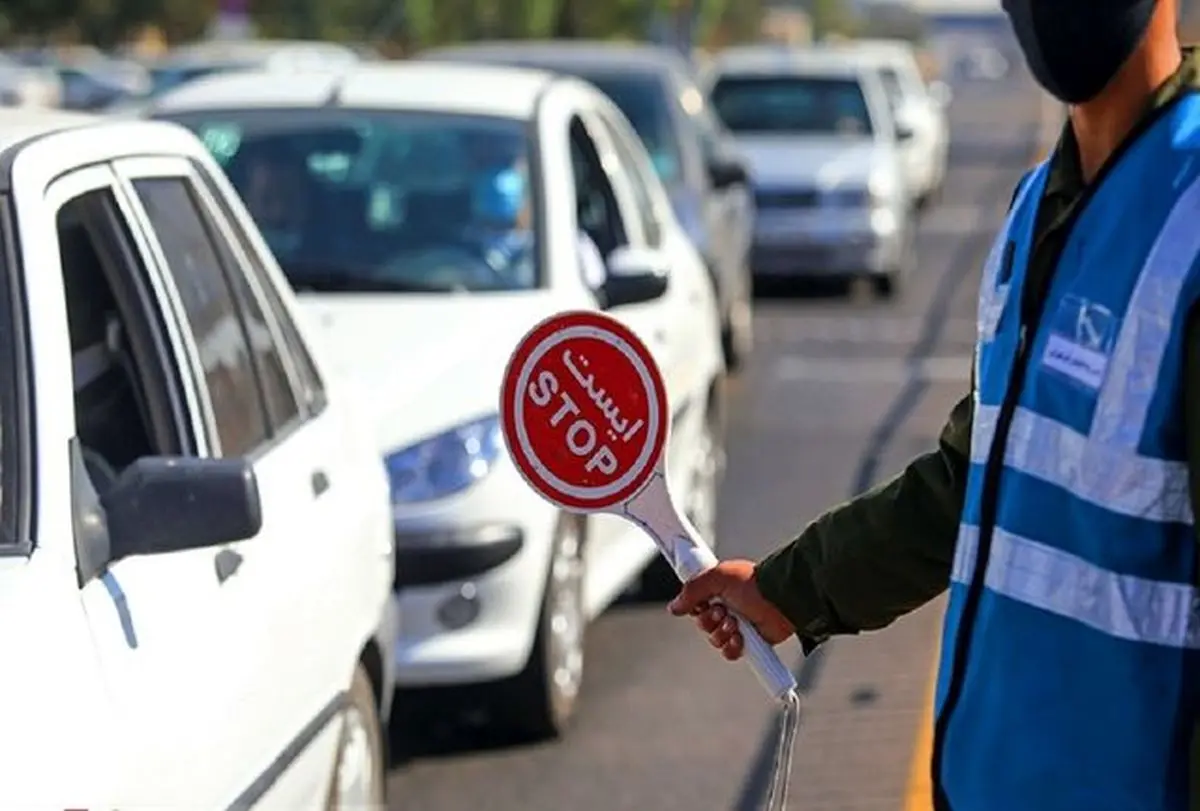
pixel 445 464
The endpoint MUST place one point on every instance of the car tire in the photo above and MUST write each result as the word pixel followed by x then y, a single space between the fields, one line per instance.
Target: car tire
pixel 887 285
pixel 541 701
pixel 360 767
pixel 737 331
pixel 659 581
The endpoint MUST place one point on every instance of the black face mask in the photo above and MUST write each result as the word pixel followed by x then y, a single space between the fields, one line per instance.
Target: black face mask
pixel 1075 47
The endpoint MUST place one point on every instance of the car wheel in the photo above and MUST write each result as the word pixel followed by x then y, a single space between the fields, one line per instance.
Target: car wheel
pixel 659 581
pixel 359 770
pixel 737 332
pixel 887 285
pixel 884 285
pixel 542 699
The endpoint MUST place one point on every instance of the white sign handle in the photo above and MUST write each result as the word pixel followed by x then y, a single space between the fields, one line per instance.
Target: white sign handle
pixel 689 555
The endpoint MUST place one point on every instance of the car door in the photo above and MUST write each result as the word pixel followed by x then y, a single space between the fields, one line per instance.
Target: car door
pixel 158 624
pixel 349 547
pixel 273 584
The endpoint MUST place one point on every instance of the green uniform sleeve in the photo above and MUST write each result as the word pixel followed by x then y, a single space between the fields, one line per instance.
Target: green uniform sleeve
pixel 887 552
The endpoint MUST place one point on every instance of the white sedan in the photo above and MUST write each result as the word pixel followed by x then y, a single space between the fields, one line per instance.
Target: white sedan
pixel 428 215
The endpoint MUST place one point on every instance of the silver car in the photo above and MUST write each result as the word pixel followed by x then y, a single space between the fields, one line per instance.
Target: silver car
pixel 825 159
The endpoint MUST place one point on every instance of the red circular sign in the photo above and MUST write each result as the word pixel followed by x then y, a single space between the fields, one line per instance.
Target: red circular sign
pixel 584 411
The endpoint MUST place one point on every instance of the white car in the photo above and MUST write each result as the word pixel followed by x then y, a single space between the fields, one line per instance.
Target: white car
pixel 195 545
pixel 376 187
pixel 916 105
pixel 831 193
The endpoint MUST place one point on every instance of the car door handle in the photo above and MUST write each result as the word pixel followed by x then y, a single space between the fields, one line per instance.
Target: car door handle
pixel 320 482
pixel 226 563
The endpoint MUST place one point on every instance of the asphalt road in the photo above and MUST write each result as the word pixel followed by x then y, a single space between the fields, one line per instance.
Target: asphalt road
pixel 841 390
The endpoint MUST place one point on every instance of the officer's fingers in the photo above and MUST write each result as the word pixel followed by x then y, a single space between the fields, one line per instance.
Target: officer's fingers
pixel 710 619
pixel 733 649
pixel 719 637
pixel 697 591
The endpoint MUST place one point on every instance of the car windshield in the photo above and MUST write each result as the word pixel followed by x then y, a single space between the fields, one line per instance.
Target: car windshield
pixel 355 202
pixel 808 105
pixel 644 101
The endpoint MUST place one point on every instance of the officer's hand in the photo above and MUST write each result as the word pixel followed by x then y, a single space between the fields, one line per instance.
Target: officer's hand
pixel 732 583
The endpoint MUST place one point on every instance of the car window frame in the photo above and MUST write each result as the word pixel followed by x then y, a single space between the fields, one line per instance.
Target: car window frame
pixel 17 416
pixel 177 168
pixel 151 332
pixel 621 233
pixel 211 211
pixel 637 171
pixel 614 174
pixel 664 84
pixel 268 276
pixel 165 295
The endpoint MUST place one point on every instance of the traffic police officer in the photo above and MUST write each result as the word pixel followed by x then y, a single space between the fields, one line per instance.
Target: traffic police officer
pixel 1059 506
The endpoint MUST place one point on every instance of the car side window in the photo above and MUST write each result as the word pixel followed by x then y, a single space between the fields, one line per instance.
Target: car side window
pixel 312 388
pixel 636 171
pixel 283 406
pixel 596 206
pixel 221 337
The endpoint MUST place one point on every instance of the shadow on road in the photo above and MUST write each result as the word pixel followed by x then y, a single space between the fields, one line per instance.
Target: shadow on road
pixel 445 728
pixel 800 288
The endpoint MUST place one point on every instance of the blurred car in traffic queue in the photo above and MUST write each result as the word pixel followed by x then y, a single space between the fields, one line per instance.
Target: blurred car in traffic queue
pixel 23 85
pixel 187 63
pixel 695 157
pixel 831 194
pixel 429 215
pixel 915 104
pixel 90 79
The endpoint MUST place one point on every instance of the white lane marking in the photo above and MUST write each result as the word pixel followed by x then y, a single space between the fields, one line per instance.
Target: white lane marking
pixel 797 369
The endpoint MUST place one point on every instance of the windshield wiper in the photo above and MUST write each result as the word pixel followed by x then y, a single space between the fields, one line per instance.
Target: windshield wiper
pixel 322 277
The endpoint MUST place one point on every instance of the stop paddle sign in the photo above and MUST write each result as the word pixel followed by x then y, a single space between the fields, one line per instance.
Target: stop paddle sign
pixel 585 417
pixel 584 411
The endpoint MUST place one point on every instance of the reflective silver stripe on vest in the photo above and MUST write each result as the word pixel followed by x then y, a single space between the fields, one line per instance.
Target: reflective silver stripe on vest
pixel 1110 477
pixel 1133 370
pixel 1122 606
pixel 1104 467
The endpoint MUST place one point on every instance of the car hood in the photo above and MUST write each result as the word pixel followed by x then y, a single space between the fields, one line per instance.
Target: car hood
pixel 424 363
pixel 821 161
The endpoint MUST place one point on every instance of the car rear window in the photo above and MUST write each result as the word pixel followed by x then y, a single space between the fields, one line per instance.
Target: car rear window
pixel 808 105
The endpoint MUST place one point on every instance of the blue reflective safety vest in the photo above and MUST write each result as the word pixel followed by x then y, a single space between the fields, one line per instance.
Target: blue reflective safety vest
pixel 1069 676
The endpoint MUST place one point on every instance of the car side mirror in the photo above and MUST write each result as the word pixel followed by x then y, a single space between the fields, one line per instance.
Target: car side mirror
pixel 726 172
pixel 635 276
pixel 170 504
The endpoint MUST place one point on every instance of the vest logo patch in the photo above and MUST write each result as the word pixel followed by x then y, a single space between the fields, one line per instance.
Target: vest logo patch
pixel 1080 342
